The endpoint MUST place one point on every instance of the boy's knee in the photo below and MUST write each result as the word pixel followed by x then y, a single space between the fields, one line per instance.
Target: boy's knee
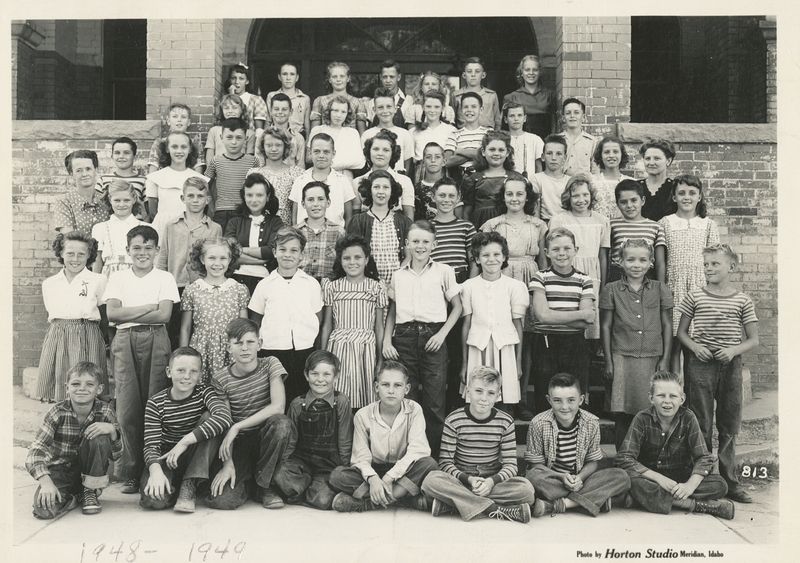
pixel 426 465
pixel 228 499
pixel 433 481
pixel 279 427
pixel 338 478
pixel 152 503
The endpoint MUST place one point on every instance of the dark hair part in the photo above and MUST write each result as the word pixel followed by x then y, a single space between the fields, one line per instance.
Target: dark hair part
pixel 382 92
pixel 383 135
pixel 148 234
pixel 558 139
pixel 231 99
pixel 237 328
pixel 480 161
pixel 475 95
pixel 663 145
pixel 391 365
pixel 241 69
pixel 423 225
pixel 86 368
pixel 365 188
pixel 694 181
pixel 122 185
pixel 165 159
pixel 322 137
pixel 531 197
pixel 272 204
pixel 473 60
pixel 82 153
pixel 281 97
pixel 564 380
pixel 125 141
pixel 508 106
pixel 597 156
pixel 444 181
pixel 322 357
pixel 285 234
pixel 630 185
pixel 199 248
pixel 78 236
pixel 347 241
pixel 389 63
pixel 573 101
pixel 317 184
pixel 234 124
pixel 482 239
pixel 185 351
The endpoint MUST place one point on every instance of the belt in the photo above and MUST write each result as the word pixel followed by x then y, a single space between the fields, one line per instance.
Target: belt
pixel 419 326
pixel 143 328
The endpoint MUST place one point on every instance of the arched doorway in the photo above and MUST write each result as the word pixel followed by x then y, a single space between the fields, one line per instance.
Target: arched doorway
pixel 418 44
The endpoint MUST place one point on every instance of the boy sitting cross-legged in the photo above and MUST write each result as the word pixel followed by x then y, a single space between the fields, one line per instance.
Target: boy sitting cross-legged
pixel 254 445
pixel 323 421
pixel 564 448
pixel 391 455
pixel 666 457
pixel 478 461
pixel 182 430
pixel 74 446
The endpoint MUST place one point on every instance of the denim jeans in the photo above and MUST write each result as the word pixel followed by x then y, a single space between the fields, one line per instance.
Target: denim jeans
pixel 598 487
pixel 720 381
pixel 89 470
pixel 557 353
pixel 305 483
pixel 448 489
pixel 257 456
pixel 350 480
pixel 427 368
pixel 653 498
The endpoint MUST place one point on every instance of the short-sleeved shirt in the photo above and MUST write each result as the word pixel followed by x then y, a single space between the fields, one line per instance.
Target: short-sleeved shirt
pixel 320 251
pixel 214 140
pixel 132 291
pixel 112 241
pixel 718 319
pixel 74 213
pixel 490 115
pixel 542 441
pixel 423 297
pixel 622 230
pixel 452 243
pixel 301 107
pixel 564 292
pixel 404 141
pixel 579 153
pixel 341 191
pixel 466 139
pixel 176 246
pixel 637 316
pixel 422 137
pixel 250 393
pixel 256 108
pixel 229 174
pixel 550 190
pixel 494 305
pixel 357 105
pixel 77 300
pixel 289 308
pixel 137 182
pixel 527 149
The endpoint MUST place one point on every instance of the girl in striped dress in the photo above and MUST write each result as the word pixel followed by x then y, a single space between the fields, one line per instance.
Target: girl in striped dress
pixel 72 298
pixel 352 327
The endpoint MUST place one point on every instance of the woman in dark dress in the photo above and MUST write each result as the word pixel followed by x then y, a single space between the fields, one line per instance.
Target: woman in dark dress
pixel 657 155
pixel 538 101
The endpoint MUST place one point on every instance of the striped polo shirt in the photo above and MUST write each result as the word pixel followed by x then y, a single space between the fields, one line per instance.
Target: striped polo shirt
pixel 465 139
pixel 564 292
pixel 622 230
pixel 452 243
pixel 718 319
pixel 248 394
pixel 230 174
pixel 567 448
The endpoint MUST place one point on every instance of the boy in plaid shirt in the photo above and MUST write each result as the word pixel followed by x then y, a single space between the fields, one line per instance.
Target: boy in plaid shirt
pixel 74 446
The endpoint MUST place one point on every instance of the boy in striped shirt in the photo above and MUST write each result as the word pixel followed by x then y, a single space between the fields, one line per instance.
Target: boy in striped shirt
pixel 229 170
pixel 478 461
pixel 719 314
pixel 182 428
pixel 630 196
pixel 564 447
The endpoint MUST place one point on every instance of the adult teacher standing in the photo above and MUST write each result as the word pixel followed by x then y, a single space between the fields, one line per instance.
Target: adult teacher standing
pixel 538 101
pixel 657 155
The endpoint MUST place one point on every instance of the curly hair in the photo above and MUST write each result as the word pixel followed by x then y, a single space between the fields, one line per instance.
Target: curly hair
pixel 575 181
pixel 231 99
pixel 365 188
pixel 199 249
pixel 82 153
pixel 663 145
pixel 78 236
pixel 480 161
pixel 165 159
pixel 347 241
pixel 694 181
pixel 279 134
pixel 351 114
pixel 383 135
pixel 482 239
pixel 531 197
pixel 272 204
pixel 120 185
pixel 597 156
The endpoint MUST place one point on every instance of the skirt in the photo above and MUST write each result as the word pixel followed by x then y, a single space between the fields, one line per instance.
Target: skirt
pixel 67 342
pixel 503 360
pixel 630 389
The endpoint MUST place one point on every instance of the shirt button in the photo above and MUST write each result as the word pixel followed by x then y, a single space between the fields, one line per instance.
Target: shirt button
pixel 638 316
pixel 640 332
pixel 637 300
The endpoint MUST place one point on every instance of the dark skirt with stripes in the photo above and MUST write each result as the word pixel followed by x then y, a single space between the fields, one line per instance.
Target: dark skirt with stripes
pixel 67 342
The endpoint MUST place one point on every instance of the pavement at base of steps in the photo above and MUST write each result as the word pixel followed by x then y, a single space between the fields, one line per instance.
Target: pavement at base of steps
pixel 125 532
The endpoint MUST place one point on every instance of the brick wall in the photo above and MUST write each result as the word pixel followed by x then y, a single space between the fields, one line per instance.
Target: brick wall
pixel 39 179
pixel 184 62
pixel 738 167
pixel 593 63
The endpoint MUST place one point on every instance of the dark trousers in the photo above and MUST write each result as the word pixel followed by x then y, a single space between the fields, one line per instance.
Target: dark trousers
pixel 428 369
pixel 250 282
pixel 598 487
pixel 140 356
pixel 720 381
pixel 453 399
pixel 90 470
pixel 294 362
pixel 622 422
pixel 222 217
pixel 257 456
pixel 653 498
pixel 174 325
pixel 350 480
pixel 304 482
pixel 557 353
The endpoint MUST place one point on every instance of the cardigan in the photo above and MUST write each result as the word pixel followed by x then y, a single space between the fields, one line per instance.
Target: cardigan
pixel 239 228
pixel 362 223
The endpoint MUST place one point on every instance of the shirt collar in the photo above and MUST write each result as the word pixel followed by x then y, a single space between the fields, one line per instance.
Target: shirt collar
pixel 645 283
pixel 405 409
pixel 551 417
pixel 182 217
pixel 678 415
pixel 428 265
pixel 309 399
pixel 537 90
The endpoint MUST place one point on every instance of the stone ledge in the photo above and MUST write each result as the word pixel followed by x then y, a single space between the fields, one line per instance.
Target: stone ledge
pixel 58 130
pixel 723 133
